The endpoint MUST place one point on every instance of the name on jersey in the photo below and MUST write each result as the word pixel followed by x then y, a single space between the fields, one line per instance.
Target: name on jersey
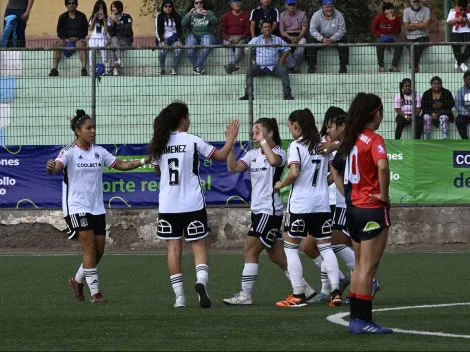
pixel 365 139
pixel 171 149
pixel 89 165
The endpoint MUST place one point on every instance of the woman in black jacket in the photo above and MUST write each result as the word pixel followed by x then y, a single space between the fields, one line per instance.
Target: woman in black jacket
pixel 169 34
pixel 437 104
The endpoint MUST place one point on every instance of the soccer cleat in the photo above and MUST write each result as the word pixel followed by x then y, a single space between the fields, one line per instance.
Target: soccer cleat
pixel 238 299
pixel 359 326
pixel 376 286
pixel 344 283
pixel 292 302
pixel 351 325
pixel 98 298
pixel 310 294
pixel 77 289
pixel 335 299
pixel 321 297
pixel 180 302
pixel 204 300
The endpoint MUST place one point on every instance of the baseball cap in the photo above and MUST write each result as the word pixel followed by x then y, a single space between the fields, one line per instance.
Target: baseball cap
pixel 328 2
pixel 235 1
pixel 291 2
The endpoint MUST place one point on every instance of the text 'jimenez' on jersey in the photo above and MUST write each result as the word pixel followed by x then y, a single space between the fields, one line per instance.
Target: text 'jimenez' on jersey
pixel 310 192
pixel 263 178
pixel 82 189
pixel 361 176
pixel 180 185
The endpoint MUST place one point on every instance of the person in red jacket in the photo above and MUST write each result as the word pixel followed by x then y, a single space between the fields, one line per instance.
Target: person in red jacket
pixel 235 30
pixel 387 28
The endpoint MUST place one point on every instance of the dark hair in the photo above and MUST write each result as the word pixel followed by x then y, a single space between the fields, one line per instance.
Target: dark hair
pixel 168 2
pixel 362 111
pixel 78 120
pixel 436 78
pixel 331 116
pixel 402 83
pixel 466 74
pixel 271 125
pixel 167 121
pixel 118 5
pixel 268 20
pixel 204 5
pixel 66 1
pixel 387 6
pixel 96 8
pixel 462 3
pixel 306 120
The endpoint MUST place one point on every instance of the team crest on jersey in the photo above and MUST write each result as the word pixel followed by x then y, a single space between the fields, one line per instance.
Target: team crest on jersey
pixel 83 222
pixel 381 149
pixel 97 156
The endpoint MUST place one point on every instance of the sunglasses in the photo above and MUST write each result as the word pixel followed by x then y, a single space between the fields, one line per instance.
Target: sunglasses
pixel 72 3
pixel 168 6
pixel 292 5
pixel 198 3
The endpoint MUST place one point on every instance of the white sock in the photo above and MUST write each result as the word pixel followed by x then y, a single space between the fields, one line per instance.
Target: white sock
pixel 318 261
pixel 294 266
pixel 177 284
pixel 305 281
pixel 80 275
pixel 249 276
pixel 325 282
pixel 202 274
pixel 91 276
pixel 331 264
pixel 346 254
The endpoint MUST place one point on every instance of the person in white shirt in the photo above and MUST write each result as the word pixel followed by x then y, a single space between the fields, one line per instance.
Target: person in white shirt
pixel 266 165
pixel 98 25
pixel 458 19
pixel 82 198
pixel 308 206
pixel 182 208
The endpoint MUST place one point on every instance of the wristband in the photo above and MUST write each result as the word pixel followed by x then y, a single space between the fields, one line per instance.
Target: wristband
pixel 263 142
pixel 142 161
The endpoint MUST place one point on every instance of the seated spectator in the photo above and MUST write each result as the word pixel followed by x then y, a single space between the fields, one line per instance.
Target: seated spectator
pixel 387 28
pixel 437 104
pixel 21 9
pixel 293 26
pixel 404 108
pixel 462 103
pixel 199 23
pixel 416 21
pixel 270 61
pixel 72 29
pixel 261 14
pixel 120 31
pixel 327 26
pixel 169 35
pixel 98 25
pixel 460 24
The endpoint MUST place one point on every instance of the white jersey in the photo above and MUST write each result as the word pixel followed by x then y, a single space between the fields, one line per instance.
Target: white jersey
pixel 82 189
pixel 309 193
pixel 180 186
pixel 263 177
pixel 98 32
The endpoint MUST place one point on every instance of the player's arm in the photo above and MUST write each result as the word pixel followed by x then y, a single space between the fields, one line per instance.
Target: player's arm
pixel 131 165
pixel 233 165
pixel 53 167
pixel 294 173
pixel 338 179
pixel 384 181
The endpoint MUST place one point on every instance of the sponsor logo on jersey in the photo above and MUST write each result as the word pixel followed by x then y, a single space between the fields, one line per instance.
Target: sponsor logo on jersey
pixel 381 149
pixel 97 156
pixel 258 169
pixel 89 165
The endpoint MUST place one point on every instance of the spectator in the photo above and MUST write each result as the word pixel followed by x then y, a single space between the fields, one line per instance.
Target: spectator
pixel 22 10
pixel 235 30
pixel 261 14
pixel 169 35
pixel 199 22
pixel 121 33
pixel 404 108
pixel 437 104
pixel 327 26
pixel 293 26
pixel 270 61
pixel 416 21
pixel 72 29
pixel 387 28
pixel 98 25
pixel 460 24
pixel 462 103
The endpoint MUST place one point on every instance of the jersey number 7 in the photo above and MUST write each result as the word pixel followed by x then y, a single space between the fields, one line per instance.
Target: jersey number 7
pixel 315 173
pixel 173 165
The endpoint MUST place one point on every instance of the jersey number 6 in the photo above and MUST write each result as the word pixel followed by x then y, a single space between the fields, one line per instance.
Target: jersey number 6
pixel 173 165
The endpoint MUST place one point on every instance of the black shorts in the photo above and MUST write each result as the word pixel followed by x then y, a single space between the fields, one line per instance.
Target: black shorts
pixel 318 225
pixel 85 222
pixel 266 227
pixel 192 225
pixel 367 223
pixel 340 220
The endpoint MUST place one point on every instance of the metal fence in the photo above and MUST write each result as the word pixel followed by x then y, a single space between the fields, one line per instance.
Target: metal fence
pixel 35 108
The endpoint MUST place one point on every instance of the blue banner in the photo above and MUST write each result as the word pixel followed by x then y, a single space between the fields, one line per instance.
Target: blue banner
pixel 24 182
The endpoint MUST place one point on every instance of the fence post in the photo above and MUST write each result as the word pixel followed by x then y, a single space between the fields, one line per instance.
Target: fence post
pixel 447 6
pixel 93 85
pixel 413 91
pixel 250 93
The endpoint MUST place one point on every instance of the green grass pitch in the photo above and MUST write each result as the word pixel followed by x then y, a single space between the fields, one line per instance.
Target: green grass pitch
pixel 38 312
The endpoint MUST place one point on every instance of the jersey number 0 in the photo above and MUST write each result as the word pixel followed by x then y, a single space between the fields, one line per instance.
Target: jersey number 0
pixel 173 165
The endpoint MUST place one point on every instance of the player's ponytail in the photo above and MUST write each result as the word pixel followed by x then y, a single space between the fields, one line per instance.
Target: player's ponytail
pixel 78 120
pixel 306 121
pixel 271 125
pixel 166 122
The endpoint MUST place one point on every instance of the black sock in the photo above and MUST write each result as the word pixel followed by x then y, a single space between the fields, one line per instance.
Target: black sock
pixel 364 307
pixel 301 296
pixel 352 308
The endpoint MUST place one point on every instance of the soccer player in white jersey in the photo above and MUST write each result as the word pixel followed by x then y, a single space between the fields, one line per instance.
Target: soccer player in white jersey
pixel 82 198
pixel 308 206
pixel 266 165
pixel 182 208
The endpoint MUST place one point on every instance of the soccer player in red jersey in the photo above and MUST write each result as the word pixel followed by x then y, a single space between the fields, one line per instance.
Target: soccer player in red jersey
pixel 365 185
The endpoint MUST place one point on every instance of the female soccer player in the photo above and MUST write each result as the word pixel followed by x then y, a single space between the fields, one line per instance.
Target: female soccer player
pixel 266 165
pixel 365 184
pixel 82 198
pixel 182 208
pixel 308 206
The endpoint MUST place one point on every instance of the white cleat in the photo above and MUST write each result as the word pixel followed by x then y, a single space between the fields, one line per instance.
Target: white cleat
pixel 239 299
pixel 310 293
pixel 180 302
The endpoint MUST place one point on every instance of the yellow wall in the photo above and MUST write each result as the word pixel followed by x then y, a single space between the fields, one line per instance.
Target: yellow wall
pixel 43 20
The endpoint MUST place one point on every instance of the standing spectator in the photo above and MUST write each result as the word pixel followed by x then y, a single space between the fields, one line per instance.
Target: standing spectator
pixel 404 108
pixel 72 29
pixel 169 35
pixel 264 13
pixel 22 10
pixel 460 24
pixel 462 103
pixel 327 26
pixel 293 27
pixel 270 61
pixel 416 21
pixel 120 31
pixel 235 30
pixel 99 31
pixel 387 28
pixel 437 106
pixel 199 23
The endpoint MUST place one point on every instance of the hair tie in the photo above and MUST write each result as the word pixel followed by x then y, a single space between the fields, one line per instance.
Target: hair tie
pixel 374 111
pixel 76 123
